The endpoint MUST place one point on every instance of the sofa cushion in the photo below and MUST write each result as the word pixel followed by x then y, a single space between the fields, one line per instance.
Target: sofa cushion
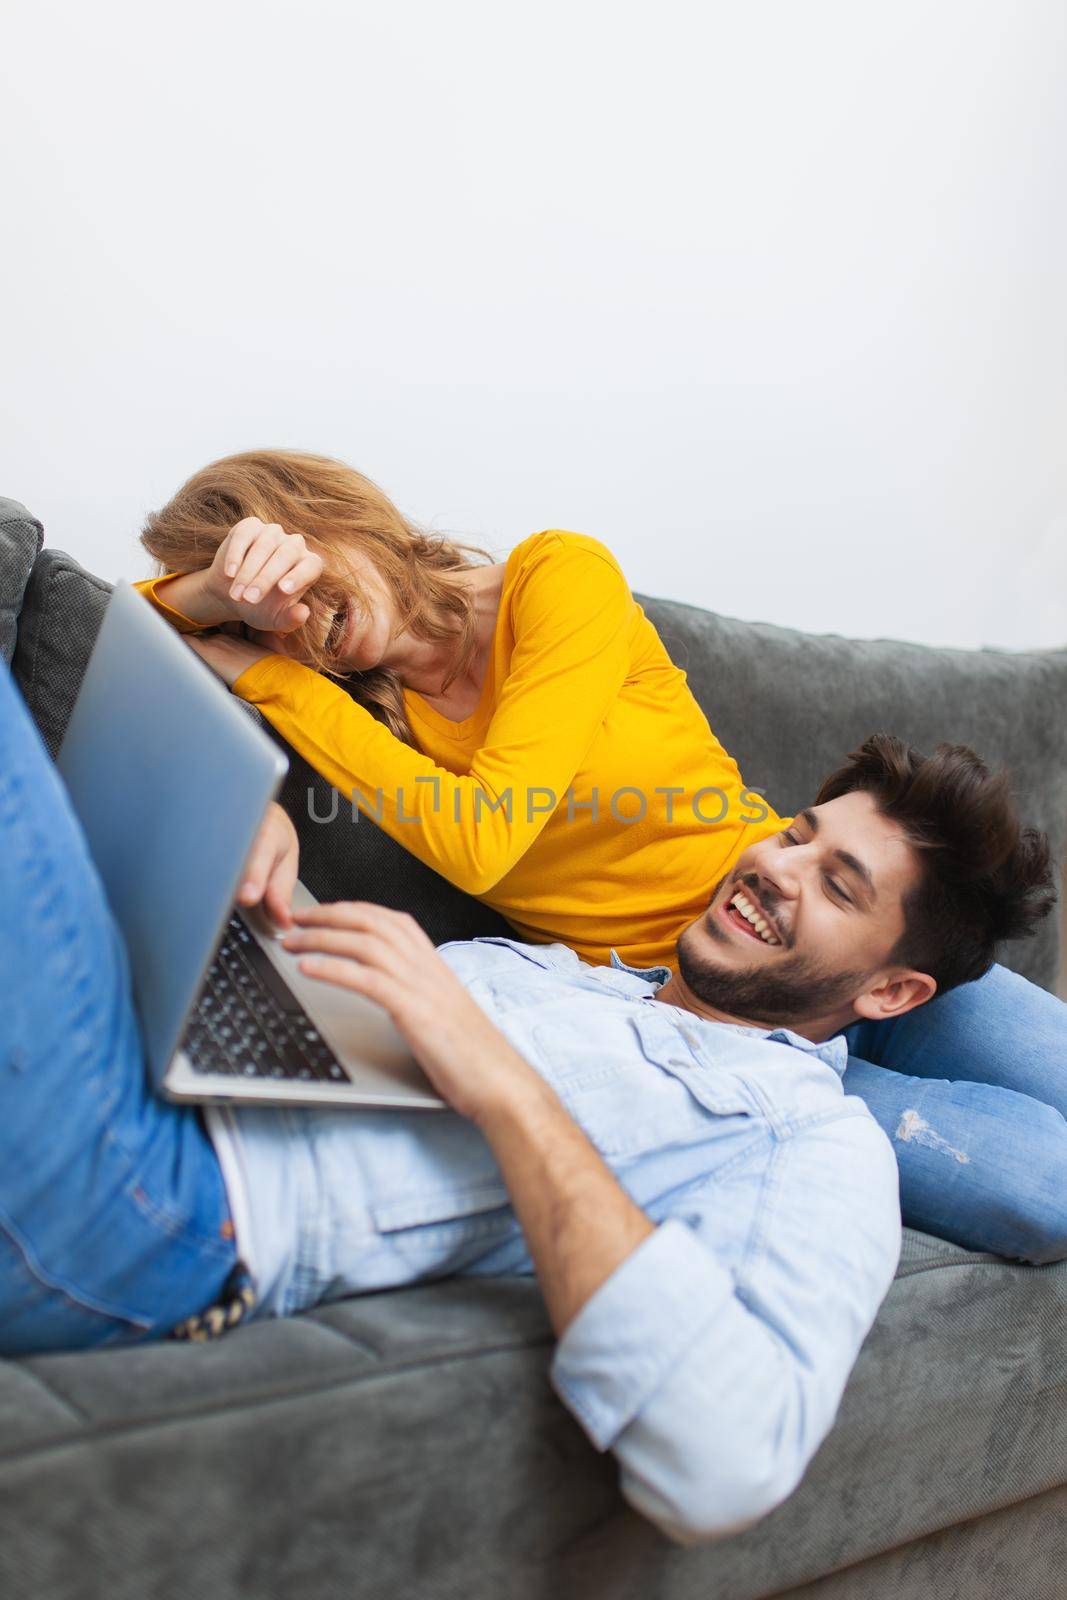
pixel 20 541
pixel 61 612
pixel 408 1443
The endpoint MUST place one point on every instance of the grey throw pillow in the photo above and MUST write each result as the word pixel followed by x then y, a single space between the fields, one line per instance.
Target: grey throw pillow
pixel 21 537
pixel 61 613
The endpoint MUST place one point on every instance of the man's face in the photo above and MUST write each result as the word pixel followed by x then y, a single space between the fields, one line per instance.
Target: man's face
pixel 828 891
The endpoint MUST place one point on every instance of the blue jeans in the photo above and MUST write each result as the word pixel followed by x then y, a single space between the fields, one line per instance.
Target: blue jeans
pixel 972 1090
pixel 114 1223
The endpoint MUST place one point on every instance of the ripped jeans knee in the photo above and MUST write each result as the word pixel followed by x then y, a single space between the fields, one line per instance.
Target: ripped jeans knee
pixel 981 1166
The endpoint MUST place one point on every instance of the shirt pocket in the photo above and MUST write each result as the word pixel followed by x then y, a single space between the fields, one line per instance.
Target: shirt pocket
pixel 498 996
pixel 418 1167
pixel 438 1204
pixel 719 1090
pixel 636 1090
pixel 445 1231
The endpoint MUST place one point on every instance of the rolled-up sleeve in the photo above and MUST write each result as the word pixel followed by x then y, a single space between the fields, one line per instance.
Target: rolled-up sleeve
pixel 628 1339
pixel 714 1388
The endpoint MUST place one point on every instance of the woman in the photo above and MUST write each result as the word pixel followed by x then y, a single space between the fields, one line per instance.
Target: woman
pixel 524 732
pixel 520 720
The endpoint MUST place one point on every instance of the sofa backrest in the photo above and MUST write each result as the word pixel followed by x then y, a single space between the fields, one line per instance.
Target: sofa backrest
pixel 20 541
pixel 788 705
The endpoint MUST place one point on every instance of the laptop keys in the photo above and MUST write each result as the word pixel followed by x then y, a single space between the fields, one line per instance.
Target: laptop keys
pixel 249 1024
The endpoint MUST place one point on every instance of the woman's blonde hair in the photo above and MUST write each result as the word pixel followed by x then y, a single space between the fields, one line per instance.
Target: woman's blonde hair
pixel 341 514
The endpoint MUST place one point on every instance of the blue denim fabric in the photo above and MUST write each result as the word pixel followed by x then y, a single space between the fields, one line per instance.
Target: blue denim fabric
pixel 972 1090
pixel 114 1222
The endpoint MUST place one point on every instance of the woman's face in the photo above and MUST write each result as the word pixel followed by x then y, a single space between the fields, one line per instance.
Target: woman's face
pixel 359 637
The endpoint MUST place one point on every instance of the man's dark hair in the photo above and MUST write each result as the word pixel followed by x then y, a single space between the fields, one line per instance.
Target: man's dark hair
pixel 985 878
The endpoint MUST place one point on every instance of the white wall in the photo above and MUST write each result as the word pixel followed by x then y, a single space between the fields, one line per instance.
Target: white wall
pixel 769 297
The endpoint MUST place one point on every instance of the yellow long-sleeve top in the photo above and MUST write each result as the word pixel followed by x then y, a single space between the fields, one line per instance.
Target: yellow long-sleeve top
pixel 549 802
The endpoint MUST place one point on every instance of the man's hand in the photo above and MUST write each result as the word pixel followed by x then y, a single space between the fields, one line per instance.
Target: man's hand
pixel 271 869
pixel 226 655
pixel 386 956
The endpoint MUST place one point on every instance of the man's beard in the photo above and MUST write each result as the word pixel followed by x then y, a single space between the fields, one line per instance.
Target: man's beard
pixel 796 990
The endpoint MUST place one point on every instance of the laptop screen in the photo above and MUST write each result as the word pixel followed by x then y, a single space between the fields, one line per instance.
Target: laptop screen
pixel 170 780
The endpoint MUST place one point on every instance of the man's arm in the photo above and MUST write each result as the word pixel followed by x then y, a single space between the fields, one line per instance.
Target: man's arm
pixel 578 1221
pixel 713 1387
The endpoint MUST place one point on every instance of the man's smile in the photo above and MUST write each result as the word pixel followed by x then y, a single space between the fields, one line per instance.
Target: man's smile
pixel 743 915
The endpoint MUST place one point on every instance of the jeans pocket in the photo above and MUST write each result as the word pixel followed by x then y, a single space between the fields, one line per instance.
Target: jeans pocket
pixel 39 1314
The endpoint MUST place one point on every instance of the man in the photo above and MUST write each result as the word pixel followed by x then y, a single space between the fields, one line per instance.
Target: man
pixel 714 1223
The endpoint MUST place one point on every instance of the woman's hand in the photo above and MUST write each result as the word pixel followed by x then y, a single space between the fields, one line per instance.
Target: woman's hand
pixel 259 576
pixel 262 572
pixel 386 956
pixel 225 654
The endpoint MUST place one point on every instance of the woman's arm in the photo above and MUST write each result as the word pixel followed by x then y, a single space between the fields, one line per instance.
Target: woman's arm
pixel 257 576
pixel 181 598
pixel 572 615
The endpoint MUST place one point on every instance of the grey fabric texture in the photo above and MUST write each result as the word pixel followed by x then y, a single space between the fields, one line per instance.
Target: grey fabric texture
pixel 21 536
pixel 61 614
pixel 1016 1553
pixel 409 1443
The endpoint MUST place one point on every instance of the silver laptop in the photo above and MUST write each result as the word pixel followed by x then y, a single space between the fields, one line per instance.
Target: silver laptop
pixel 170 779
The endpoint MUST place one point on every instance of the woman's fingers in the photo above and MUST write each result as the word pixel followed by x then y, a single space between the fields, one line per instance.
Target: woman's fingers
pixel 256 557
pixel 293 616
pixel 280 563
pixel 306 571
pixel 235 545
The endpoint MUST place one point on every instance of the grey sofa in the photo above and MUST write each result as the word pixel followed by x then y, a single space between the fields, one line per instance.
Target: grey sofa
pixel 408 1444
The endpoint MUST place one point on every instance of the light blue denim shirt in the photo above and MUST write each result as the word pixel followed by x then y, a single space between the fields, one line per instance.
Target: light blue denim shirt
pixel 712 1360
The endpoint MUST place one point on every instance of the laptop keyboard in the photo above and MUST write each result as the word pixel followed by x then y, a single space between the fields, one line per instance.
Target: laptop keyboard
pixel 249 1024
